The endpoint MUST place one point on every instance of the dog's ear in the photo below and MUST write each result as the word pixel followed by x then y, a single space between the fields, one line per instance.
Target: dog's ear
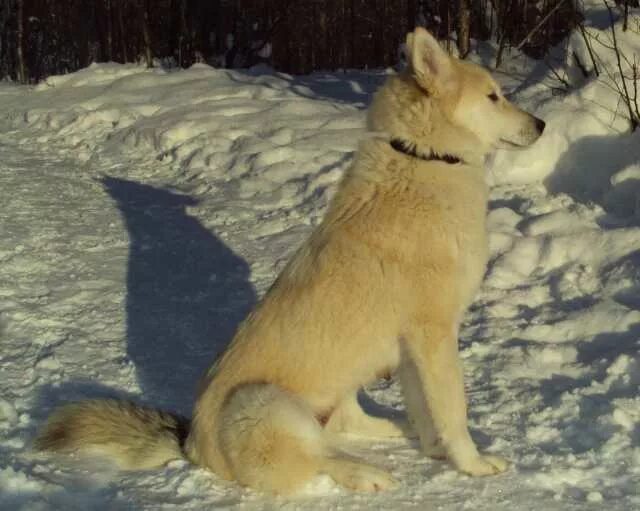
pixel 430 64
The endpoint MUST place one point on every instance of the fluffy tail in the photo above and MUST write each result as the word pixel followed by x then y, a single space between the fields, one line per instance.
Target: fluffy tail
pixel 135 437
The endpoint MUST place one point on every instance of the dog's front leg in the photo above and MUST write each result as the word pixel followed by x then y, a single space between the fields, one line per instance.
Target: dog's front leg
pixel 430 361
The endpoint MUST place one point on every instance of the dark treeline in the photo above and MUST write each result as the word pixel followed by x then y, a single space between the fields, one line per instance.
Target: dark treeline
pixel 39 38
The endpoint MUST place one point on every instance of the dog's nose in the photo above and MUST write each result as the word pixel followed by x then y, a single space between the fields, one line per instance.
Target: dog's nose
pixel 540 124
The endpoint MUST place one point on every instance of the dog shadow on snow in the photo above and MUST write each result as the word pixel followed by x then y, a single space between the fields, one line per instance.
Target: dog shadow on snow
pixel 186 291
pixel 186 294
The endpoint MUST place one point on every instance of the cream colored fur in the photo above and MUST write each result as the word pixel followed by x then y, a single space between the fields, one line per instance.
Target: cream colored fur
pixel 380 286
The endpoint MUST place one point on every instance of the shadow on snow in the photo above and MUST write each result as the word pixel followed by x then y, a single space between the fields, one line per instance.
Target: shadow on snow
pixel 186 292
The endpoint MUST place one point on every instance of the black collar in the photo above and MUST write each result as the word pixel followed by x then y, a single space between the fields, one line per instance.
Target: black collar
pixel 410 149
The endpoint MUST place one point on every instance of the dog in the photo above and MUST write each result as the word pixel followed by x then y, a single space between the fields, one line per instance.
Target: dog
pixel 379 287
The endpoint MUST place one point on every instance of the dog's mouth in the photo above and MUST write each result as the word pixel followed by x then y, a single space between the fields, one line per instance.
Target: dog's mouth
pixel 503 143
pixel 525 137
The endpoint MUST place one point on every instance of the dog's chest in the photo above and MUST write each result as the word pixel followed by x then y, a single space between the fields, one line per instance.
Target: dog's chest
pixel 455 227
pixel 471 248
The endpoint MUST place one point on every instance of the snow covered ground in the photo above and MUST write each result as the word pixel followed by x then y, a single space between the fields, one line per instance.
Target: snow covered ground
pixel 143 212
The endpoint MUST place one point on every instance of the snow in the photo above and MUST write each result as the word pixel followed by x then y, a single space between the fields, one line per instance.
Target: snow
pixel 145 211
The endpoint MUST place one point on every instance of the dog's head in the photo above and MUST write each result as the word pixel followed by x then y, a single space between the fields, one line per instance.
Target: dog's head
pixel 467 95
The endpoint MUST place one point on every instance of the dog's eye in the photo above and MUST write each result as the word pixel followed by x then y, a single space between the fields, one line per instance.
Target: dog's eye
pixel 493 97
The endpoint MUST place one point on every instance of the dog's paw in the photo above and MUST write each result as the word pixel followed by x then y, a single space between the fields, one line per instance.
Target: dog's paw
pixel 484 465
pixel 360 476
pixel 369 479
pixel 436 451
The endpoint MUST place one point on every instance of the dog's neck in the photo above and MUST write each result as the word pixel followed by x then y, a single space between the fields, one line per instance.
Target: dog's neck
pixel 401 111
pixel 411 149
pixel 439 136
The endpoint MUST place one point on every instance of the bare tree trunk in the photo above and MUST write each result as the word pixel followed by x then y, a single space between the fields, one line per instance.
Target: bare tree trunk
pixel 412 11
pixel 184 46
pixel 109 32
pixel 5 45
pixel 447 38
pixel 22 68
pixel 501 21
pixel 352 36
pixel 464 27
pixel 146 33
pixel 123 34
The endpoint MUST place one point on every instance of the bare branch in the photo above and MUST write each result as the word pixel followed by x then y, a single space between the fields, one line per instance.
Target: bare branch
pixel 539 25
pixel 589 49
pixel 633 119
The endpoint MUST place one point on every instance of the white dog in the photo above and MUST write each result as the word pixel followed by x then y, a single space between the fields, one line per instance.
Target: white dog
pixel 380 286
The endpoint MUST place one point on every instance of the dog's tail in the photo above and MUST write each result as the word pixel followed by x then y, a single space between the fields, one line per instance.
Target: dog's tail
pixel 135 437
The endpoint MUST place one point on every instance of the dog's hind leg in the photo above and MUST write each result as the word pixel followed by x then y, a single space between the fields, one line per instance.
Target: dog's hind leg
pixel 272 442
pixel 350 418
pixel 270 439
